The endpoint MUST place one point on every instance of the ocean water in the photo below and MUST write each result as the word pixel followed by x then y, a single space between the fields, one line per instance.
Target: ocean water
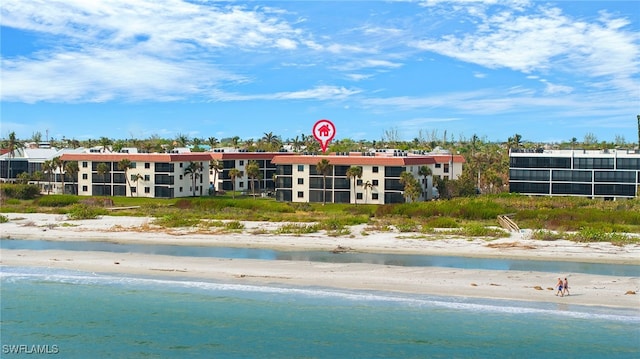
pixel 79 315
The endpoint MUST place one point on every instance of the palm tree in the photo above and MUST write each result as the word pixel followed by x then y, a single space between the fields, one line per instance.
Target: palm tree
pixel 72 169
pixel 105 142
pixel 58 165
pixel 125 165
pixel 38 176
pixel 12 144
pixel 193 170
pixel 368 186
pixel 324 167
pixel 212 141
pixel 182 140
pixel 354 172
pixel 136 178
pixel 234 173
pixel 103 169
pixel 411 186
pixel 253 173
pixel 47 167
pixel 216 167
pixel 425 171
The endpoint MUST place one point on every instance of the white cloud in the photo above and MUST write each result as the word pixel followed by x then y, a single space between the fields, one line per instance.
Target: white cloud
pixel 316 93
pixel 543 40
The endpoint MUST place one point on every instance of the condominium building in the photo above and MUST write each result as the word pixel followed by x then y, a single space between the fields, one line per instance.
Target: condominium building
pixel 160 175
pixel 239 159
pixel 607 174
pixel 299 181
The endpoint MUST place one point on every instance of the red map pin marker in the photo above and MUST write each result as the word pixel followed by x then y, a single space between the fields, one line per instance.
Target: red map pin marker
pixel 324 131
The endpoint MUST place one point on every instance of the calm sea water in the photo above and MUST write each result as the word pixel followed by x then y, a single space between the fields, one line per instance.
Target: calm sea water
pixel 329 257
pixel 79 315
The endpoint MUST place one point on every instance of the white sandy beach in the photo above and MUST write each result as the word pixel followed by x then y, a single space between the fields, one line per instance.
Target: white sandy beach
pixel 586 289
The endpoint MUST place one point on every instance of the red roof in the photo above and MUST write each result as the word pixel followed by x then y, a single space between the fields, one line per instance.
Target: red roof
pixel 355 159
pixel 137 157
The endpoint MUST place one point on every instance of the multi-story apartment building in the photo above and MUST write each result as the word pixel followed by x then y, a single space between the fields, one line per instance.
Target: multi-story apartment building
pixel 160 175
pixel 607 174
pixel 239 159
pixel 299 181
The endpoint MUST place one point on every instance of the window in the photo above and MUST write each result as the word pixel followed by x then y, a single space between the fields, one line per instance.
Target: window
pixel 438 165
pixel 180 164
pixel 374 169
pixel 241 185
pixel 147 178
pixel 85 176
pixel 85 164
pixel 374 196
pixel 241 162
pixel 300 180
pixel 180 177
pixel 133 190
pixel 147 190
pixel 147 165
pixel 84 189
pixel 359 195
pixel 180 190
pixel 300 168
pixel 300 194
pixel 359 182
pixel 374 182
pixel 446 168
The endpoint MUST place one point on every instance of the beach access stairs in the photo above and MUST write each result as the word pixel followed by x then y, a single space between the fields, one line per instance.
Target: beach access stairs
pixel 507 223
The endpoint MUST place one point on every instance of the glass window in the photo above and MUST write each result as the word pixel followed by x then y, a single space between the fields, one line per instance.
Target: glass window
pixel 374 196
pixel 374 182
pixel 147 165
pixel 85 176
pixel 374 169
pixel 85 188
pixel 300 180
pixel 147 178
pixel 241 162
pixel 300 194
pixel 300 168
pixel 85 164
pixel 147 190
pixel 359 195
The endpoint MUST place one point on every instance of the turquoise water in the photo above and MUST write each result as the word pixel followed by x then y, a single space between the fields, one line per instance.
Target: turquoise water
pixel 97 315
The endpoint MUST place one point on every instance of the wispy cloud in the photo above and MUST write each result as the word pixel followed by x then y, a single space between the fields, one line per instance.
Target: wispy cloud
pixel 316 93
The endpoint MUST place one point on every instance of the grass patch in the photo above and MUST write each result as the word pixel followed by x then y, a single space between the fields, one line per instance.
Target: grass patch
pixel 83 211
pixel 297 228
pixel 3 218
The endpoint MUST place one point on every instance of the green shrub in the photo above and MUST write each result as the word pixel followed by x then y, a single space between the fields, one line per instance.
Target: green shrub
pixel 19 191
pixel 545 235
pixel 234 225
pixel 57 200
pixel 83 211
pixel 294 228
pixel 477 230
pixel 174 220
pixel 441 222
pixel 3 218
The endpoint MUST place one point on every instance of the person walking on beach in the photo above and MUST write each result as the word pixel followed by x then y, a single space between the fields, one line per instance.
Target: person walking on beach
pixel 565 287
pixel 560 286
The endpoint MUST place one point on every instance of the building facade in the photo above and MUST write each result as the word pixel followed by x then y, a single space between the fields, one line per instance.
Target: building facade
pixel 239 159
pixel 607 174
pixel 159 175
pixel 297 179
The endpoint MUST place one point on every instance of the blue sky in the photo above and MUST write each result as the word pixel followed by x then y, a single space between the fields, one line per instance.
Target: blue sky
pixel 549 71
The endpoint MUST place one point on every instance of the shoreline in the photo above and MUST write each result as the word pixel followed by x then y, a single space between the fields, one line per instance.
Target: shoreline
pixel 586 289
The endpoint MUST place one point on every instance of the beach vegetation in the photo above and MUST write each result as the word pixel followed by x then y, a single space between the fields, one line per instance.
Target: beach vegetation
pixel 234 225
pixel 175 220
pixel 546 235
pixel 297 228
pixel 588 234
pixel 3 218
pixel 83 211
pixel 57 200
pixel 19 191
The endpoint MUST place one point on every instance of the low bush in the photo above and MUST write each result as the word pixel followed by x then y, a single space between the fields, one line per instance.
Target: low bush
pixel 83 211
pixel 175 220
pixel 19 191
pixel 3 218
pixel 57 200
